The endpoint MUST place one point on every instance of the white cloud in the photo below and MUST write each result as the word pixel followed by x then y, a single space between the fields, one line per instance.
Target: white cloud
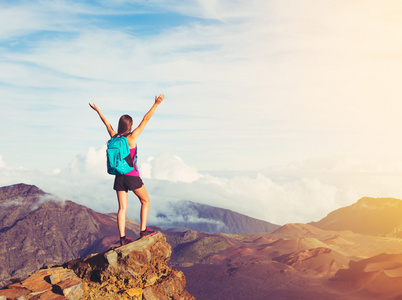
pixel 280 195
pixel 168 167
pixel 17 201
pixel 2 163
pixel 93 163
pixel 270 81
pixel 14 21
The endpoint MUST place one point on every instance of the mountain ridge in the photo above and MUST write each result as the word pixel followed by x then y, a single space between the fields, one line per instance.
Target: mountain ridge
pixel 372 216
pixel 42 229
pixel 211 219
pixel 36 232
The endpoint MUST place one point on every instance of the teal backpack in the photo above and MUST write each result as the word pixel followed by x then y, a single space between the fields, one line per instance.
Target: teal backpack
pixel 119 161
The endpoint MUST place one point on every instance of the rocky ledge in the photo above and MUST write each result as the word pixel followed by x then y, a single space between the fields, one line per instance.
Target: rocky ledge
pixel 138 270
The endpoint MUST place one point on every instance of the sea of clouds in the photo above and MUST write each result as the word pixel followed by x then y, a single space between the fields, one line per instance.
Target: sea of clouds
pixel 299 192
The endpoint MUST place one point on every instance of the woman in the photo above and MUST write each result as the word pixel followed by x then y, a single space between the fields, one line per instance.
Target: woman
pixel 130 181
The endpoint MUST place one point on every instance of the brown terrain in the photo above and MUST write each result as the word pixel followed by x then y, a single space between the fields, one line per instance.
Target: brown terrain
pixel 322 260
pixel 329 260
pixel 298 261
pixel 135 271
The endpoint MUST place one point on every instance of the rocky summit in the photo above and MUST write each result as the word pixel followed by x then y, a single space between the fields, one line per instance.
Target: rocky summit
pixel 138 270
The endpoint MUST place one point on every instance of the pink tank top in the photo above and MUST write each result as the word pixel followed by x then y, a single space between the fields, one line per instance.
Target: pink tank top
pixel 134 157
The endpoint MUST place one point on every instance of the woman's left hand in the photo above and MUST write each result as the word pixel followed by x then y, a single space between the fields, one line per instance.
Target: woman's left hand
pixel 94 107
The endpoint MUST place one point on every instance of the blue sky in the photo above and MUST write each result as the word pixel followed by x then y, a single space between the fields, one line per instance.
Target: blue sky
pixel 287 96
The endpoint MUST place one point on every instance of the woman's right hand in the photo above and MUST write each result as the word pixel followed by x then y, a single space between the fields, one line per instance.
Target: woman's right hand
pixel 159 99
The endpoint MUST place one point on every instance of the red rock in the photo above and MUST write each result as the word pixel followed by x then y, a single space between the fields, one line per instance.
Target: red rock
pixel 16 285
pixel 131 269
pixel 37 283
pixel 48 295
pixel 14 293
pixel 39 286
pixel 172 287
pixel 72 288
pixel 137 270
pixel 60 275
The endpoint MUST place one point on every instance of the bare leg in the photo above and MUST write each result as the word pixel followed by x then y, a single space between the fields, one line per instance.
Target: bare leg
pixel 144 199
pixel 122 197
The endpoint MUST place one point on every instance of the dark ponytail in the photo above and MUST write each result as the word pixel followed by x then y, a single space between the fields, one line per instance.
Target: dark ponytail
pixel 125 124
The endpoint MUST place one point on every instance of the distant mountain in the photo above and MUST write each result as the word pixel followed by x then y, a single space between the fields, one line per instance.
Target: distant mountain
pixel 372 216
pixel 37 229
pixel 210 219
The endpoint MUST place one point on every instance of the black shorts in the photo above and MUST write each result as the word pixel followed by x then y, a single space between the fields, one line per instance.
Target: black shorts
pixel 126 183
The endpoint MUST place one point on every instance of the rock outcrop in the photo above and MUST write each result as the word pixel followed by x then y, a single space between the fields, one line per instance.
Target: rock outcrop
pixel 138 270
pixel 53 283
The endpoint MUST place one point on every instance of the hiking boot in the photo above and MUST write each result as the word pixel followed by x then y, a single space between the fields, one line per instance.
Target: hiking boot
pixel 147 232
pixel 125 241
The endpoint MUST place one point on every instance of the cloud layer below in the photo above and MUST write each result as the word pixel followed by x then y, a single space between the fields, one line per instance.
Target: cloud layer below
pixel 292 193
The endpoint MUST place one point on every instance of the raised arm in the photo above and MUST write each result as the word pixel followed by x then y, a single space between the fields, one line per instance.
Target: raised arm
pixel 136 132
pixel 106 122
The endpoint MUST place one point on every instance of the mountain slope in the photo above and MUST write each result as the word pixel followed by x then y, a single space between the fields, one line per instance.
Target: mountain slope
pixel 379 275
pixel 210 219
pixel 37 229
pixel 372 216
pixel 296 261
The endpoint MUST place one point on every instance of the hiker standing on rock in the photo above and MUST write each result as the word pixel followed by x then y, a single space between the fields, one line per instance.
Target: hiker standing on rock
pixel 131 180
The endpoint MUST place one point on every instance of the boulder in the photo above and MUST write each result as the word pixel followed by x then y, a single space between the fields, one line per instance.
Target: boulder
pixel 53 283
